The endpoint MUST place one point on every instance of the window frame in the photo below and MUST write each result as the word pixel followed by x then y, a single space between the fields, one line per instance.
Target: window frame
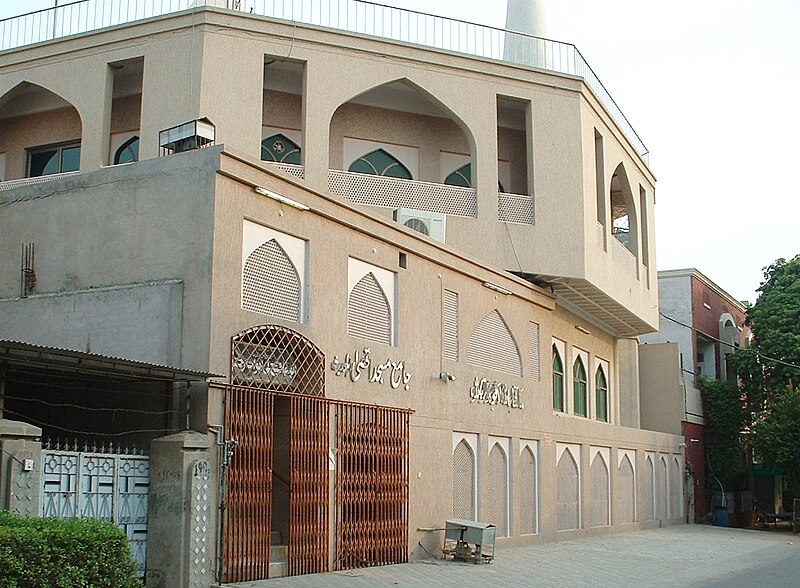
pixel 59 149
pixel 577 384
pixel 600 372
pixel 558 377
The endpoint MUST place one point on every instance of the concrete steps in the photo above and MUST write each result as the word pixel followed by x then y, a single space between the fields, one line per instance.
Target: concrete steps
pixel 278 556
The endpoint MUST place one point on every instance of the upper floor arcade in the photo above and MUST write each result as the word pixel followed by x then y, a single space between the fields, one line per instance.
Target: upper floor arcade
pixel 514 159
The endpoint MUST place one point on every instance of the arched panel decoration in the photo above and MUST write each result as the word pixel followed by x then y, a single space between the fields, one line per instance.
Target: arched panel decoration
pixel 676 489
pixel 279 148
pixel 463 481
pixel 663 489
pixel 270 283
pixel 600 491
pixel 627 491
pixel 568 485
pixel 380 163
pixel 649 489
pixel 497 500
pixel 369 315
pixel 528 491
pixel 275 358
pixel 491 346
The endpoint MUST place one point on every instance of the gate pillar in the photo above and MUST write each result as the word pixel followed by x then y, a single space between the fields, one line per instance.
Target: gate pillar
pixel 20 467
pixel 180 536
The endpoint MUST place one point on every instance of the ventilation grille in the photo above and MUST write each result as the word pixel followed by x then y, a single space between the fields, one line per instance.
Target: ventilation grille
pixel 568 514
pixel 497 501
pixel 396 193
pixel 450 326
pixel 297 171
pixel 627 492
pixel 599 492
pixel 515 208
pixel 533 336
pixel 368 314
pixel 492 347
pixel 463 482
pixel 270 284
pixel 527 493
pixel 277 358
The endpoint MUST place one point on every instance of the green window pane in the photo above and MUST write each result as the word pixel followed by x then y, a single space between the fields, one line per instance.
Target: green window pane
pixel 461 177
pixel 601 388
pixel 280 149
pixel 128 152
pixel 43 163
pixel 380 163
pixel 558 381
pixel 70 158
pixel 579 387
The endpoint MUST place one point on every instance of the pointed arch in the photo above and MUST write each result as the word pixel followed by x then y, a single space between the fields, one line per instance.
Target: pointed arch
pixel 271 283
pixel 128 152
pixel 528 489
pixel 492 346
pixel 380 162
pixel 497 501
pixel 368 312
pixel 663 488
pixel 601 394
pixel 279 148
pixel 579 387
pixel 624 222
pixel 601 512
pixel 558 380
pixel 568 491
pixel 627 490
pixel 676 488
pixel 460 177
pixel 649 488
pixel 464 481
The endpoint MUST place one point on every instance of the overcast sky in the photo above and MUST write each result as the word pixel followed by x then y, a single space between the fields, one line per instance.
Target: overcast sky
pixel 712 87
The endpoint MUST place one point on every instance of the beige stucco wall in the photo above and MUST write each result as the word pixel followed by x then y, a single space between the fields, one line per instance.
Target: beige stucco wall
pixel 661 385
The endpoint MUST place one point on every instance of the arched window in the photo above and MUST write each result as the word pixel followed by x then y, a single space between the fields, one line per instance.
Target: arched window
pixel 558 381
pixel 279 148
pixel 579 387
pixel 623 211
pixel 380 163
pixel 128 152
pixel 463 177
pixel 601 395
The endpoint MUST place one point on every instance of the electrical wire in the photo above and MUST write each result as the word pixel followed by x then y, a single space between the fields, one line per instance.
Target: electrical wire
pixel 163 431
pixel 749 349
pixel 89 408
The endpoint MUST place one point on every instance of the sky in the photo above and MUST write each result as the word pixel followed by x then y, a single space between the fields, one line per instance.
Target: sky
pixel 713 89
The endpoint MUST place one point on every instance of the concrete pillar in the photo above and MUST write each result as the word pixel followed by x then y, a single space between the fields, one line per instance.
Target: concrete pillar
pixel 181 520
pixel 628 399
pixel 20 467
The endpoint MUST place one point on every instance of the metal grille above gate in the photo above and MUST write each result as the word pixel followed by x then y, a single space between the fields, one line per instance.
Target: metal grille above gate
pixel 99 485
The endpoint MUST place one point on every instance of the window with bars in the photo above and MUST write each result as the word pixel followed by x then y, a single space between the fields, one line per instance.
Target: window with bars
pixel 491 346
pixel 450 325
pixel 558 381
pixel 601 395
pixel 579 387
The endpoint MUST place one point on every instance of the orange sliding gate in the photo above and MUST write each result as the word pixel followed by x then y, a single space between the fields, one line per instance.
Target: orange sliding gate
pixel 285 444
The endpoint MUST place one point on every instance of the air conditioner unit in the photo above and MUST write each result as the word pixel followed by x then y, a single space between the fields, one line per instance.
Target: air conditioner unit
pixel 431 224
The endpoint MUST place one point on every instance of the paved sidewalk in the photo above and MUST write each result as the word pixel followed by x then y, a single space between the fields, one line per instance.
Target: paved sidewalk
pixel 681 556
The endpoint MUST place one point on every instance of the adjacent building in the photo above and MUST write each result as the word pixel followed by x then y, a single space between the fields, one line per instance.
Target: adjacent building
pixel 342 272
pixel 700 325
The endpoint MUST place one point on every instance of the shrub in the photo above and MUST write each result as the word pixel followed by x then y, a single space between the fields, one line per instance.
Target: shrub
pixel 74 553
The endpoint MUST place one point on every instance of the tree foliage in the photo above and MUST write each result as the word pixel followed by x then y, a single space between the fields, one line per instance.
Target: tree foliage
pixel 776 435
pixel 725 418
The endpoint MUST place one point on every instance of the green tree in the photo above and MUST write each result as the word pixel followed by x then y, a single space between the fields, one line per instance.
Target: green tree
pixel 725 421
pixel 775 436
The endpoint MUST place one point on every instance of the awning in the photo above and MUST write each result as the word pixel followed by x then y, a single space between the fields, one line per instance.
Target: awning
pixel 25 358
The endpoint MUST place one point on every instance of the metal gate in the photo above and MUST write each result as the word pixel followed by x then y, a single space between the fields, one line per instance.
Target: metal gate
pixel 103 483
pixel 371 486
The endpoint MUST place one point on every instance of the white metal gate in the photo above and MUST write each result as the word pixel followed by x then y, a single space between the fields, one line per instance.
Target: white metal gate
pixel 101 484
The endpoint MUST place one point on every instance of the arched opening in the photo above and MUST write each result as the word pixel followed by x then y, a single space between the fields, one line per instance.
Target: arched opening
pixel 528 492
pixel 601 395
pixel 464 481
pixel 600 492
pixel 497 500
pixel 558 381
pixel 649 489
pixel 41 133
pixel 624 224
pixel 568 483
pixel 627 491
pixel 579 388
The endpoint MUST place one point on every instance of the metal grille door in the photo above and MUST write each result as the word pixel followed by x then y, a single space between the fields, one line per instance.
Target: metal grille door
pixel 99 485
pixel 246 516
pixel 308 503
pixel 371 486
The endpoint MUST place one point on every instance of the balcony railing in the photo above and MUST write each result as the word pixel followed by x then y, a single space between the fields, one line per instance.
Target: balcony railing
pixel 10 184
pixel 515 208
pixel 356 16
pixel 397 193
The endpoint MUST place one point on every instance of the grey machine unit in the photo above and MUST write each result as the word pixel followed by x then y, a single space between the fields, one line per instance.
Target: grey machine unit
pixel 471 541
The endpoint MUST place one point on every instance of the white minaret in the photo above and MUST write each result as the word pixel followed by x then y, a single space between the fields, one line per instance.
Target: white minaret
pixel 526 16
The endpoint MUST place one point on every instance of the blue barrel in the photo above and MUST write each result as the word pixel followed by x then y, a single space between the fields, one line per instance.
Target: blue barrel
pixel 720 516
